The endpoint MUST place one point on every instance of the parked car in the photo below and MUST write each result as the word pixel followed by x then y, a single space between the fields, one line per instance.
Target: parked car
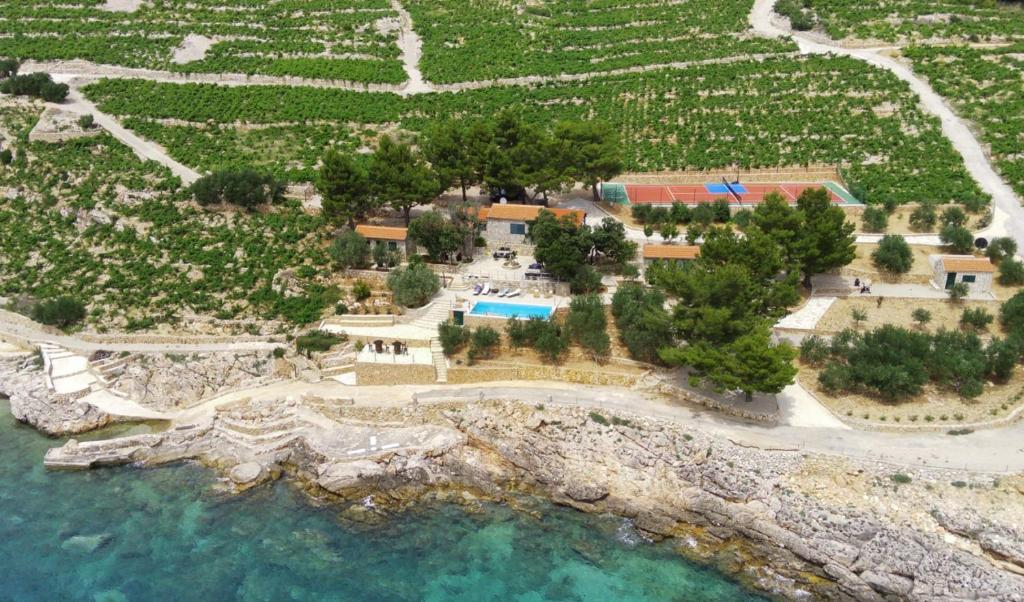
pixel 504 253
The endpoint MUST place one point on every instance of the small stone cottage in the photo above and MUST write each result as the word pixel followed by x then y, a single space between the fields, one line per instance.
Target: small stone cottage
pixel 975 272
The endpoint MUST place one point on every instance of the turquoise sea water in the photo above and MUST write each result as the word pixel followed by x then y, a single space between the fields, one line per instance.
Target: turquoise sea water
pixel 167 534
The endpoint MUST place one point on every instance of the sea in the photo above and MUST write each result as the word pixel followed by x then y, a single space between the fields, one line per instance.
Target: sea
pixel 171 533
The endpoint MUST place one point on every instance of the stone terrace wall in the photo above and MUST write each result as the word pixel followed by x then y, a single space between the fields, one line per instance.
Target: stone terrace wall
pixel 395 374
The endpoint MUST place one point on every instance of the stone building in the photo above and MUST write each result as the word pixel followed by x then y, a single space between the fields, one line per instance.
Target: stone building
pixel 508 224
pixel 394 237
pixel 975 272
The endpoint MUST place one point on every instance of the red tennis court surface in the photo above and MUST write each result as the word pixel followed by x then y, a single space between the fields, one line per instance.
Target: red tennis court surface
pixel 692 194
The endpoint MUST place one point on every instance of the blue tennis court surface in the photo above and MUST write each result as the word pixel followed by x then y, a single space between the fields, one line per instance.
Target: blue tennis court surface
pixel 723 189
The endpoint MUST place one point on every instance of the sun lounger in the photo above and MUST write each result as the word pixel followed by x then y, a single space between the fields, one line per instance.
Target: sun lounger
pixel 477 288
pixel 514 293
pixel 504 292
pixel 487 289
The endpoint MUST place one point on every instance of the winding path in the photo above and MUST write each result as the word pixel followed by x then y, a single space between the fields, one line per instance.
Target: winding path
pixel 954 128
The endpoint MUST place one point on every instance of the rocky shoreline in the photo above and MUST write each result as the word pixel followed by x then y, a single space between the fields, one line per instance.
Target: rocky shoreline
pixel 792 524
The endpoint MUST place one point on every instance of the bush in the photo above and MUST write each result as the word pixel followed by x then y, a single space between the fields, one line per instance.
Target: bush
pixel 1011 272
pixel 643 323
pixel 317 341
pixel 551 343
pixel 340 309
pixel 976 317
pixel 361 290
pixel 246 188
pixel 922 316
pixel 60 312
pixel 350 250
pixel 599 419
pixel 1002 356
pixel 482 343
pixel 924 218
pixel 39 85
pixel 813 350
pixel 451 336
pixel 954 216
pixel 958 291
pixel 835 378
pixel 875 219
pixel 1000 248
pixel 587 325
pixel 8 67
pixel 1011 314
pixel 279 352
pixel 413 286
pixel 893 255
pixel 586 280
pixel 957 238
pixel 899 478
pixel 6 157
pixel 86 121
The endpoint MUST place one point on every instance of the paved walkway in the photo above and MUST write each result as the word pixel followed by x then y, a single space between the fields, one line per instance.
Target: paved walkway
pixel 807 317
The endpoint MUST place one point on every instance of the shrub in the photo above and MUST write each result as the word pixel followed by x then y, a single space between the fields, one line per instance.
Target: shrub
pixel 922 316
pixel 899 478
pixel 8 67
pixel 414 285
pixel 1011 314
pixel 835 378
pixel 361 290
pixel 875 219
pixel 317 341
pixel 1011 272
pixel 246 188
pixel 452 337
pixel 6 157
pixel 340 309
pixel 1002 356
pixel 39 85
pixel 60 312
pixel 86 121
pixel 586 280
pixel 858 315
pixel 813 350
pixel 551 343
pixel 643 323
pixel 587 325
pixel 957 238
pixel 599 418
pixel 482 343
pixel 893 255
pixel 958 291
pixel 350 250
pixel 279 352
pixel 976 317
pixel 1000 248
pixel 954 216
pixel 924 218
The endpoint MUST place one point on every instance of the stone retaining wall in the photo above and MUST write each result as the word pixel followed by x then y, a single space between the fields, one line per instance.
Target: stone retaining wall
pixel 395 374
pixel 476 374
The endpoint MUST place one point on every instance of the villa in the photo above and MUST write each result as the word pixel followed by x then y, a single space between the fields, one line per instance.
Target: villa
pixel 508 224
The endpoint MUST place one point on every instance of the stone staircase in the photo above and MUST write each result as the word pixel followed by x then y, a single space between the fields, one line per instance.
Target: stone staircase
pixel 435 314
pixel 112 366
pixel 440 361
pixel 337 363
pixel 261 437
pixel 459 283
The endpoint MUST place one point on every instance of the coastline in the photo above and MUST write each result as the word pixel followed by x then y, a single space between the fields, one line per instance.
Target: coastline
pixel 788 523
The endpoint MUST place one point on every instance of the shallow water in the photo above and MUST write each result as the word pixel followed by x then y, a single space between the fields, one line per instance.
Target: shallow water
pixel 167 534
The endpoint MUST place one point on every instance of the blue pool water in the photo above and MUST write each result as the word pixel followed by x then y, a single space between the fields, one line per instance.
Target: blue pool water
pixel 123 534
pixel 510 310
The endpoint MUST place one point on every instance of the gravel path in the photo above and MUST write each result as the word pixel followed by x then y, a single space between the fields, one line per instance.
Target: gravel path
pixel 954 128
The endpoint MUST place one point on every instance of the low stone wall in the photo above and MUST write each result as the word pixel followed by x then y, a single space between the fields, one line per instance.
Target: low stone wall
pixel 168 339
pixel 476 374
pixel 395 374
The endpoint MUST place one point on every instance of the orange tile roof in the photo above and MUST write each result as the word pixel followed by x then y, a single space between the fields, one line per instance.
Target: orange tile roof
pixel 966 263
pixel 528 213
pixel 382 232
pixel 671 251
pixel 483 213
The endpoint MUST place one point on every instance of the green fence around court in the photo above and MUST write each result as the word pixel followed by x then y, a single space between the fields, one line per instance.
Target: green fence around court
pixel 614 193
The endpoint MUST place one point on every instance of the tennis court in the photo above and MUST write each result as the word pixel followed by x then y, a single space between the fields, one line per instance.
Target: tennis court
pixel 735 192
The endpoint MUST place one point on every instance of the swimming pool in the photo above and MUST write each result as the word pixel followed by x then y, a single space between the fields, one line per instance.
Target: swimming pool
pixel 510 310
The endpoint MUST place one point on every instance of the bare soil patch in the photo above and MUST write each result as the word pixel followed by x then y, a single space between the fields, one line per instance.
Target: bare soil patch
pixel 934 407
pixel 945 314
